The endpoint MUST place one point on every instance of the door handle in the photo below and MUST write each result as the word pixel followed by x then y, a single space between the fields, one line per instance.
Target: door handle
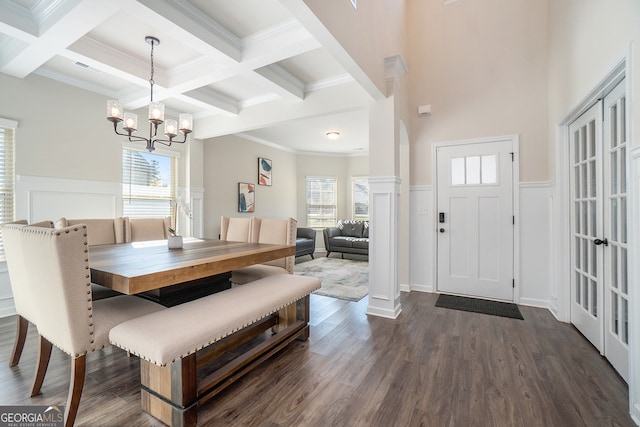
pixel 599 242
pixel 442 230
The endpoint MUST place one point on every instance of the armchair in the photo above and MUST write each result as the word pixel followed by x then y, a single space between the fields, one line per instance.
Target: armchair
pixel 305 242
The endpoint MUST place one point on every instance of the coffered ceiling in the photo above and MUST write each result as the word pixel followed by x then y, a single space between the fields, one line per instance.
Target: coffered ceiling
pixel 245 67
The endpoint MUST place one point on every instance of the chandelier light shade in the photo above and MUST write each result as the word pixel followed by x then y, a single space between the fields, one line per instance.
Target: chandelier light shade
pixel 116 114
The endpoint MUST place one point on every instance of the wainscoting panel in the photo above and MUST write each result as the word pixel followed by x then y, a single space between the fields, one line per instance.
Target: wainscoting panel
pixel 422 245
pixel 39 199
pixel 536 205
pixel 535 213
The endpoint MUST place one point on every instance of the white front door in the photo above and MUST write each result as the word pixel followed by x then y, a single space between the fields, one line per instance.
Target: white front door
pixel 599 288
pixel 475 219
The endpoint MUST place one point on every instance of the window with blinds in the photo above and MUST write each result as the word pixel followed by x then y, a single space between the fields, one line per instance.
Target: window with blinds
pixel 322 208
pixel 360 198
pixel 7 175
pixel 149 183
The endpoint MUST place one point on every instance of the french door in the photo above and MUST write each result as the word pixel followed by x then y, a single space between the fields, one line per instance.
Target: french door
pixel 599 287
pixel 475 219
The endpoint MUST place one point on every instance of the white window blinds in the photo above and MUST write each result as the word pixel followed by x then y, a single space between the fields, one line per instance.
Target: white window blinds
pixel 321 201
pixel 149 183
pixel 361 199
pixel 7 174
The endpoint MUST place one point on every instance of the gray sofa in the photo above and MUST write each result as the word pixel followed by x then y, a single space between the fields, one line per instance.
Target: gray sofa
pixel 349 236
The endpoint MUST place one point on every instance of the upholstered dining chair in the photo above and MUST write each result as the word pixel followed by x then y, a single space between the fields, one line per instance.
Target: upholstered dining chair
pixel 100 231
pixel 274 231
pixel 21 301
pixel 236 229
pixel 143 229
pixel 66 316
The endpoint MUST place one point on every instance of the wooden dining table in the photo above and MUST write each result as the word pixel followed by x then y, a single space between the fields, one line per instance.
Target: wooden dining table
pixel 133 268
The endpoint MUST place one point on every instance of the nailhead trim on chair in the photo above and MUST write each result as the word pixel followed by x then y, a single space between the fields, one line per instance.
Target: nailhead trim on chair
pixel 89 300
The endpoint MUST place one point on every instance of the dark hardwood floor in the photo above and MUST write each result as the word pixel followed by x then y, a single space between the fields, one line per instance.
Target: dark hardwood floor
pixel 430 367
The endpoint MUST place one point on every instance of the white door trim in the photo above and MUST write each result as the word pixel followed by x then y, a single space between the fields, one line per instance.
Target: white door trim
pixel 515 144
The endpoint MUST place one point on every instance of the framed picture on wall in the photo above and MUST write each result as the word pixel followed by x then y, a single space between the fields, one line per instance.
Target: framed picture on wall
pixel 246 197
pixel 264 171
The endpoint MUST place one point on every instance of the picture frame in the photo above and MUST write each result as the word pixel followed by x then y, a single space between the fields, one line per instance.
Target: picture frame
pixel 265 167
pixel 246 197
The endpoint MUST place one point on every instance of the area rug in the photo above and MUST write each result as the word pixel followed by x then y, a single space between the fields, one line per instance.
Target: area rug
pixel 495 308
pixel 341 278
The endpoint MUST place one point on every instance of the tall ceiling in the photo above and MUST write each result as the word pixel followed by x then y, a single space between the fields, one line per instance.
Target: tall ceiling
pixel 245 67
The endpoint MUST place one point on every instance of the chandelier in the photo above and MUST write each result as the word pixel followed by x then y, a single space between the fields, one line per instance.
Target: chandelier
pixel 116 114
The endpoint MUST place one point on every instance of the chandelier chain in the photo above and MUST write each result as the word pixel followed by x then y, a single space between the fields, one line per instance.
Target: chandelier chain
pixel 151 81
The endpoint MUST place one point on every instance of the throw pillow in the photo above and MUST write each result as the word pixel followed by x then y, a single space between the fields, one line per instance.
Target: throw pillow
pixel 351 228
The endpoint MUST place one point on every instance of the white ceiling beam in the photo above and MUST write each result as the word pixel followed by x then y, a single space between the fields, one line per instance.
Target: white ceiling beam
pixel 213 101
pixel 68 27
pixel 281 82
pixel 335 99
pixel 276 43
pixel 18 22
pixel 194 28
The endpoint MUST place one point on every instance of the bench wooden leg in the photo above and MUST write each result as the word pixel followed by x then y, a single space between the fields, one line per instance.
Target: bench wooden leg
pixel 169 393
pixel 22 325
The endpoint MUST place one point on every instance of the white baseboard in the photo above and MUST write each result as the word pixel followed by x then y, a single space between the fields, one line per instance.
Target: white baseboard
pixel 422 288
pixel 531 302
pixel 381 312
pixel 7 308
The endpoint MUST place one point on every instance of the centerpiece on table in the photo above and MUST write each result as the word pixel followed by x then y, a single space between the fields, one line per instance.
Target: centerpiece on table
pixel 178 206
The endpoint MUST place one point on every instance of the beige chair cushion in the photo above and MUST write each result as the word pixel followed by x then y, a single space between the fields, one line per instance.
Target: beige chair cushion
pixel 143 229
pixel 164 337
pixel 235 229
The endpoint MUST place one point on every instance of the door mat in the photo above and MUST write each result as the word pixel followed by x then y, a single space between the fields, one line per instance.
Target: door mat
pixel 495 308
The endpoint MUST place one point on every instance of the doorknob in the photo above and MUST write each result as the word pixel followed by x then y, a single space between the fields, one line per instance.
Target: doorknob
pixel 442 230
pixel 599 242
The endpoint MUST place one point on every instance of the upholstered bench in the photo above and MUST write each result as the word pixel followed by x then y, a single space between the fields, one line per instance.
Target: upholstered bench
pixel 176 344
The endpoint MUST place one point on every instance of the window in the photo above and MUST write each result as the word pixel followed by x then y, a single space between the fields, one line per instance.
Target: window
pixel 473 170
pixel 149 183
pixel 7 208
pixel 360 199
pixel 322 201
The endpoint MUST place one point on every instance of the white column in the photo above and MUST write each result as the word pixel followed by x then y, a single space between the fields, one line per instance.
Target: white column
pixel 384 288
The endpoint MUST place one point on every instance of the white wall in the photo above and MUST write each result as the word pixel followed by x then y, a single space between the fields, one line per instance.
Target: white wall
pixel 587 39
pixel 229 160
pixel 482 66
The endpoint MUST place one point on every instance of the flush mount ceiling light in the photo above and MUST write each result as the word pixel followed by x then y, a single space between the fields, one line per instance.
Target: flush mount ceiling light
pixel 333 135
pixel 116 114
